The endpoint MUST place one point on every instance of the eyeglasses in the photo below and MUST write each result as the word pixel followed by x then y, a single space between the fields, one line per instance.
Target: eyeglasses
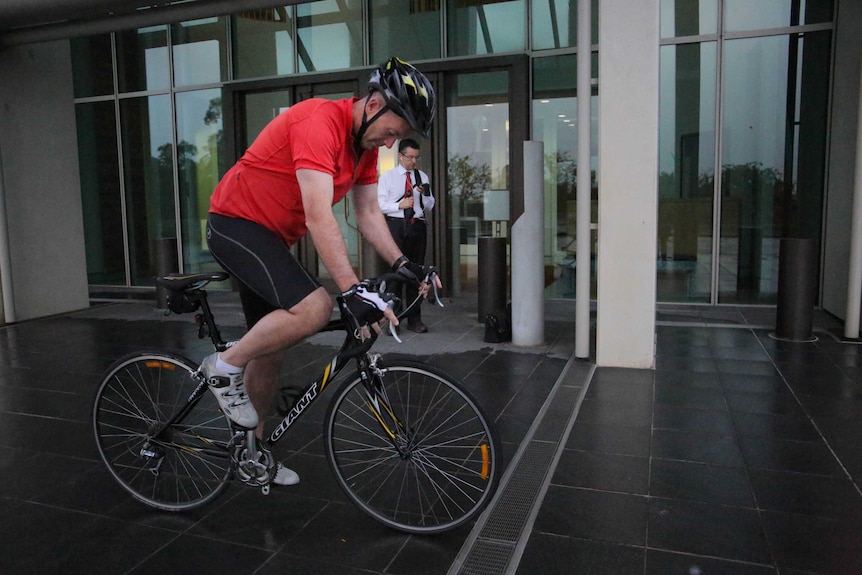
pixel 409 157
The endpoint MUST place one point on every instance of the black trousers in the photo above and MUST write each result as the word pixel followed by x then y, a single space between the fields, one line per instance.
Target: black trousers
pixel 412 244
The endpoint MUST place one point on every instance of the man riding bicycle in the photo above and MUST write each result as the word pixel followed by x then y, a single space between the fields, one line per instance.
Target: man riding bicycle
pixel 303 163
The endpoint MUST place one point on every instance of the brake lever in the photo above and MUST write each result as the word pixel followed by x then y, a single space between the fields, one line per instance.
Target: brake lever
pixel 430 279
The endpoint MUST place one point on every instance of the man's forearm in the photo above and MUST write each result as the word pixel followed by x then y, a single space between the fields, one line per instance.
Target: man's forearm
pixel 332 251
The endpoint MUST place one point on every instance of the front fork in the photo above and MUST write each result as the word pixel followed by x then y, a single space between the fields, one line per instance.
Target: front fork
pixel 371 374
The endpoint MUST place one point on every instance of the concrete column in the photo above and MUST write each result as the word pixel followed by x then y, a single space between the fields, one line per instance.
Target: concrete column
pixel 628 189
pixel 528 271
pixel 854 275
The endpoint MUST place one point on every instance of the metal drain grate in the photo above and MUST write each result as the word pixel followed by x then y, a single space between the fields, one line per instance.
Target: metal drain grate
pixel 497 541
pixel 506 520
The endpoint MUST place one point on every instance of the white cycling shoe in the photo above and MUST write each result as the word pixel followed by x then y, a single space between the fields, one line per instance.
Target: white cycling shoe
pixel 230 393
pixel 284 476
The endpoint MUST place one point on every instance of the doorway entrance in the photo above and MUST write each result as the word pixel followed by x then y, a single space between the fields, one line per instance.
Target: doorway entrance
pixel 474 165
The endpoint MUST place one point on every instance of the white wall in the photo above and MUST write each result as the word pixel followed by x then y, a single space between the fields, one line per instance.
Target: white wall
pixel 41 187
pixel 628 168
pixel 842 150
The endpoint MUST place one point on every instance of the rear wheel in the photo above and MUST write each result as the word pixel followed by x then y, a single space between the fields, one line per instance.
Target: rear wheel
pixel 177 468
pixel 421 456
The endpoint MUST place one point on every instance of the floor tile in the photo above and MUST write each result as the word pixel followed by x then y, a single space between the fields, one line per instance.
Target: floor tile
pixel 256 520
pixel 706 529
pixel 712 448
pixel 548 554
pixel 813 544
pixel 700 482
pixel 832 497
pixel 665 563
pixel 688 419
pixel 590 514
pixel 119 546
pixel 608 438
pixel 613 413
pixel 776 426
pixel 428 555
pixel 191 554
pixel 345 535
pixel 784 455
pixel 282 563
pixel 683 396
pixel 604 471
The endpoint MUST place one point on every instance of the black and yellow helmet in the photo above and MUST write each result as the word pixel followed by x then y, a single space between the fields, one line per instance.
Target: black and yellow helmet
pixel 407 92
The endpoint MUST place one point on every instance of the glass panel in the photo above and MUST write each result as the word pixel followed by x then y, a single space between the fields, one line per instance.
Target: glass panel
pixel 92 69
pixel 686 172
pixel 260 109
pixel 773 147
pixel 688 17
pixel 200 53
pixel 477 180
pixel 263 42
pixel 409 30
pixel 555 23
pixel 149 183
pixel 142 59
pixel 200 159
pixel 748 15
pixel 485 27
pixel 555 122
pixel 330 35
pixel 100 193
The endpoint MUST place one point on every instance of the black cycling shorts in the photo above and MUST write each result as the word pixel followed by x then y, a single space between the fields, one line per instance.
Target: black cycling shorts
pixel 270 277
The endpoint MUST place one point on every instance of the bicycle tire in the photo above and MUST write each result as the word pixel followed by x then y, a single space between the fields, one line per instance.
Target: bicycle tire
pixel 440 470
pixel 189 464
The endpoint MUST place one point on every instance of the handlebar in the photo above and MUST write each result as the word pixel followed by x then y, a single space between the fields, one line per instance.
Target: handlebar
pixel 381 285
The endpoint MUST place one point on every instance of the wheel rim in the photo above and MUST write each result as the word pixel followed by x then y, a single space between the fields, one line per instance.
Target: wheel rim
pixel 182 468
pixel 438 471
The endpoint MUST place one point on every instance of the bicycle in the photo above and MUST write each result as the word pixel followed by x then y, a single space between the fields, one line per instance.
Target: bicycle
pixel 407 443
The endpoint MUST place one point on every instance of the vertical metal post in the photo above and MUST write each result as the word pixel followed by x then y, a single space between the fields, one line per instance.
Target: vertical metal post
pixel 492 275
pixel 584 183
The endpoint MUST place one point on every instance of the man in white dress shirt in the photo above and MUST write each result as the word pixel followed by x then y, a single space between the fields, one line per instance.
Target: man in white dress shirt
pixel 404 194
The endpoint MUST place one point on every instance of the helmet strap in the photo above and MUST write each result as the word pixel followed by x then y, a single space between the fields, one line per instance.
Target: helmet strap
pixel 363 127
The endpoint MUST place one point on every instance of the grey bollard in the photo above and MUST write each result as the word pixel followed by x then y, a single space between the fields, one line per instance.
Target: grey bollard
pixel 797 289
pixel 165 259
pixel 492 275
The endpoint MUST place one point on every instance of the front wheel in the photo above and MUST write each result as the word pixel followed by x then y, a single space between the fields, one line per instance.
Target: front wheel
pixel 172 467
pixel 413 449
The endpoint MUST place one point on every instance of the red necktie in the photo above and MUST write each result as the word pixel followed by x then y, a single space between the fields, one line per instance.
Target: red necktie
pixel 408 193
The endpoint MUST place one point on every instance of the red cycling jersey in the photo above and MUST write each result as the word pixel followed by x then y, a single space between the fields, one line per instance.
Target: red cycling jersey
pixel 315 134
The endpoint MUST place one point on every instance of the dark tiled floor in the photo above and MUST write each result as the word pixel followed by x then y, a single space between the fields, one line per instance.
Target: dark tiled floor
pixel 738 454
pixel 60 512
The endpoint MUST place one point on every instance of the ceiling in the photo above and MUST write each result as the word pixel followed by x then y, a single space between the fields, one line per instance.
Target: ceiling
pixel 30 21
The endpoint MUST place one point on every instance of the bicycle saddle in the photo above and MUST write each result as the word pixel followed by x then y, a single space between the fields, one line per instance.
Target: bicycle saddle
pixel 181 282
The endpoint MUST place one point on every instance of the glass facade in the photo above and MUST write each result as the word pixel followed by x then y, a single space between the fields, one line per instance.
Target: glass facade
pixel 410 30
pixel 477 175
pixel 743 108
pixel 555 123
pixel 330 35
pixel 479 27
pixel 263 42
pixel 143 60
pixel 744 102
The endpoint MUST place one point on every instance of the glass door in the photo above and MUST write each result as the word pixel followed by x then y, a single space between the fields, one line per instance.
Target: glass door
pixel 477 156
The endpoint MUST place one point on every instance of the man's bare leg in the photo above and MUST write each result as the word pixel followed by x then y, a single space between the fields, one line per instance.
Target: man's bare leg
pixel 261 350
